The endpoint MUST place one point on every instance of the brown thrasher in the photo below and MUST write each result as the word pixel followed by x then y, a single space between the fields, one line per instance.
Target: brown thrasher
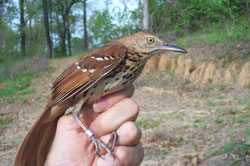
pixel 102 71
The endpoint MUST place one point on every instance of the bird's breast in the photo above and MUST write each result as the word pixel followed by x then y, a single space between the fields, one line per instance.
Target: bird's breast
pixel 118 79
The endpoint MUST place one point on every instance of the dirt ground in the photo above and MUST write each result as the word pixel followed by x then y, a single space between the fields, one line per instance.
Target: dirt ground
pixel 182 124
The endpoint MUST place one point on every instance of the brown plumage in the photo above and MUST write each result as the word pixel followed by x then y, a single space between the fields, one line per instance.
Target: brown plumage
pixel 102 71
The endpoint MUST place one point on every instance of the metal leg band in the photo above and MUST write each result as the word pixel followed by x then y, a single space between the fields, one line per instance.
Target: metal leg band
pixel 89 133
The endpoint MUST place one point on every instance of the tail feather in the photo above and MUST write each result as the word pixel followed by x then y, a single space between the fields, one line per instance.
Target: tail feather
pixel 35 146
pixel 46 142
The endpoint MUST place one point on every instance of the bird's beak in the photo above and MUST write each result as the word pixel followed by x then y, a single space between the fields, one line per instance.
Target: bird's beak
pixel 169 47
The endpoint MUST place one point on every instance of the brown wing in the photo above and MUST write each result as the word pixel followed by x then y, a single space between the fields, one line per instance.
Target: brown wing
pixel 88 70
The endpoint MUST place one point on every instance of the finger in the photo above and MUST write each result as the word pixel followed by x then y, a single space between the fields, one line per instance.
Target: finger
pixel 109 100
pixel 131 156
pixel 124 155
pixel 128 134
pixel 74 141
pixel 110 120
pixel 67 123
pixel 87 115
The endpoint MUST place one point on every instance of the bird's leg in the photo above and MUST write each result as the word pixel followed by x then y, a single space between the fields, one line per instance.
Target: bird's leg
pixel 90 134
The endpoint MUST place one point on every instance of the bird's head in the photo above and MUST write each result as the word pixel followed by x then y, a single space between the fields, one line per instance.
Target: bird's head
pixel 148 43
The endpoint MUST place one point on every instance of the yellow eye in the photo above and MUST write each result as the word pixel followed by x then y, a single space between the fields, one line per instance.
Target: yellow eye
pixel 151 40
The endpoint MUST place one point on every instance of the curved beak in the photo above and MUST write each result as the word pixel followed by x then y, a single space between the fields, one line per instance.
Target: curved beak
pixel 169 47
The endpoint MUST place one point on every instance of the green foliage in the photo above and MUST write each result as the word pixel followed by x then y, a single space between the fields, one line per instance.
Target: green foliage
pixel 8 42
pixel 183 16
pixel 36 41
pixel 225 41
pixel 102 27
pixel 77 45
pixel 104 30
pixel 208 21
pixel 12 67
pixel 217 35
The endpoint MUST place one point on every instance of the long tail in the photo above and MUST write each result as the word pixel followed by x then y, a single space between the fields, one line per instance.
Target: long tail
pixel 35 146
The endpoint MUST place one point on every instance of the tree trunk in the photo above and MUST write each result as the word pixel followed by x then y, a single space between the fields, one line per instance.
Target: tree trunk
pixel 69 38
pixel 30 39
pixel 50 23
pixel 22 28
pixel 47 30
pixel 85 25
pixel 145 15
pixel 65 9
pixel 1 12
pixel 1 33
pixel 64 49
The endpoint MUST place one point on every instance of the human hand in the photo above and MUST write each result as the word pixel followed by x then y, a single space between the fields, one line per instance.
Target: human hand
pixel 116 112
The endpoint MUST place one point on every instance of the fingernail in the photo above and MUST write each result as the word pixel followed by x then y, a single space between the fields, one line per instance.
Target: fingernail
pixel 101 105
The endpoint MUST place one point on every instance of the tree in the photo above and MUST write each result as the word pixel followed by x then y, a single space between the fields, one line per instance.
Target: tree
pixel 102 28
pixel 124 2
pixel 1 12
pixel 51 23
pixel 1 23
pixel 145 15
pixel 22 28
pixel 85 25
pixel 63 10
pixel 68 31
pixel 47 29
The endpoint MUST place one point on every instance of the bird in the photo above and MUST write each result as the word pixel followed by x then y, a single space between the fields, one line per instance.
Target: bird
pixel 102 71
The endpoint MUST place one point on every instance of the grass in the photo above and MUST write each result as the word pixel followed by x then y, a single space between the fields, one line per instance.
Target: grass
pixel 18 75
pixel 198 120
pixel 220 87
pixel 170 73
pixel 197 104
pixel 211 103
pixel 27 91
pixel 212 153
pixel 236 147
pixel 148 123
pixel 242 118
pixel 81 54
pixel 5 121
pixel 218 121
pixel 14 88
pixel 15 80
pixel 247 107
pixel 14 67
pixel 247 86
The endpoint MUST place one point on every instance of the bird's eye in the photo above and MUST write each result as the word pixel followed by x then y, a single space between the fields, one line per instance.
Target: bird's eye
pixel 150 40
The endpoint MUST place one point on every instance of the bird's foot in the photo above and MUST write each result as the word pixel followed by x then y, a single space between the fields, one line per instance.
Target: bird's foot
pixel 112 141
pixel 98 142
